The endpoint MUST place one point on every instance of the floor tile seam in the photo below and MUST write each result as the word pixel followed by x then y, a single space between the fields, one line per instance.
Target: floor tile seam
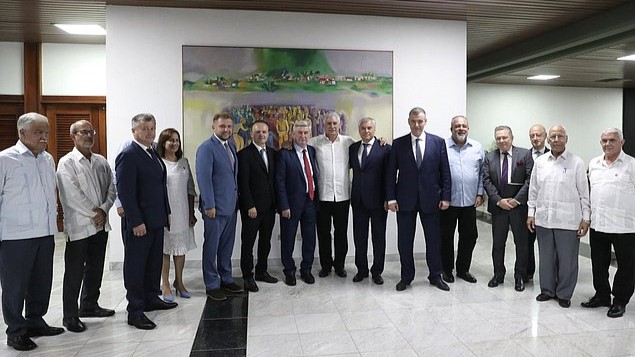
pixel 219 349
pixel 224 318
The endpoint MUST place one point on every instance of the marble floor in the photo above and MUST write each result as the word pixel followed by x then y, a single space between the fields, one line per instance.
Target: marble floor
pixel 336 317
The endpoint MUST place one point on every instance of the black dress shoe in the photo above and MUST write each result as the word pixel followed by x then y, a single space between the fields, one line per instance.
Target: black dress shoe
pixel 359 277
pixel 324 273
pixel 266 278
pixel 616 310
pixel 494 282
pixel 401 285
pixel 447 277
pixel 564 303
pixel 440 284
pixel 74 324
pixel 307 277
pixel 543 297
pixel 465 275
pixel 595 301
pixel 159 304
pixel 232 288
pixel 44 331
pixel 250 285
pixel 519 285
pixel 289 279
pixel 341 273
pixel 96 312
pixel 216 294
pixel 377 279
pixel 141 322
pixel 21 343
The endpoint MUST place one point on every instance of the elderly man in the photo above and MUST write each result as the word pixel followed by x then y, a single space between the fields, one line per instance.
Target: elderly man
pixel 466 164
pixel 331 150
pixel 87 193
pixel 28 212
pixel 418 183
pixel 559 212
pixel 537 136
pixel 506 173
pixel 612 179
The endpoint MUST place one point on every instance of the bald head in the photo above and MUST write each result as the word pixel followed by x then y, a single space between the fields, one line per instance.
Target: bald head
pixel 537 136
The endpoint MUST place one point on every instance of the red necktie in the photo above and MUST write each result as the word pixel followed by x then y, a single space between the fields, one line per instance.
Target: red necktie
pixel 307 171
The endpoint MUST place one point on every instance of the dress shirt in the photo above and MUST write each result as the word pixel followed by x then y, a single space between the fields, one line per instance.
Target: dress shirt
pixel 298 152
pixel 613 194
pixel 28 204
pixel 264 157
pixel 422 144
pixel 84 185
pixel 332 158
pixel 509 164
pixel 559 192
pixel 534 152
pixel 361 148
pixel 466 169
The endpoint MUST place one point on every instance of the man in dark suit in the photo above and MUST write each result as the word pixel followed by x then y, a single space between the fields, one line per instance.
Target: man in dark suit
pixel 141 185
pixel 418 182
pixel 506 173
pixel 257 198
pixel 217 177
pixel 537 136
pixel 296 195
pixel 369 161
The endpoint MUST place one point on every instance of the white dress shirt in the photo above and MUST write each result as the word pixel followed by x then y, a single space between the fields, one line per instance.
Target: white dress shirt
pixel 613 194
pixel 559 192
pixel 84 185
pixel 28 205
pixel 300 154
pixel 361 149
pixel 422 144
pixel 332 158
pixel 509 163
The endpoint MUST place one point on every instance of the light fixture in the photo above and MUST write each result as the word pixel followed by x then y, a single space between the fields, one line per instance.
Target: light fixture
pixel 543 77
pixel 75 29
pixel 627 58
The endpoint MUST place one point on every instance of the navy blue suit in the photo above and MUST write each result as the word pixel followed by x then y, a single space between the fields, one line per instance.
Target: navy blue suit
pixel 291 193
pixel 418 191
pixel 368 195
pixel 142 190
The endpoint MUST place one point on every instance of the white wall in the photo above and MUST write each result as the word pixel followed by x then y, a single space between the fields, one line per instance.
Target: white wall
pixel 144 66
pixel 585 112
pixel 70 69
pixel 11 68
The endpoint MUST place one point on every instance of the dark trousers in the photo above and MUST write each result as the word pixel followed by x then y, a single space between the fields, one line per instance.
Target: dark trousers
pixel 531 253
pixel 406 227
pixel 220 233
pixel 501 221
pixel 288 229
pixel 26 274
pixel 261 226
pixel 83 268
pixel 338 213
pixel 466 219
pixel 624 280
pixel 377 218
pixel 143 258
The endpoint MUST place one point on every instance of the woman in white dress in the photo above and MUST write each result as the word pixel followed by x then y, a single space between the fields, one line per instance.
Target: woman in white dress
pixel 180 238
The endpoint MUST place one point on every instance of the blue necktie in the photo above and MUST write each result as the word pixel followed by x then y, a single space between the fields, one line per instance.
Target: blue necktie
pixel 419 157
pixel 364 155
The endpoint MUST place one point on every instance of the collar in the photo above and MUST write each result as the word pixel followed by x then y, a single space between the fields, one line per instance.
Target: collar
pixel 22 149
pixel 371 142
pixel 142 146
pixel 298 149
pixel 468 142
pixel 260 148
pixel 422 137
pixel 77 155
pixel 222 142
pixel 563 156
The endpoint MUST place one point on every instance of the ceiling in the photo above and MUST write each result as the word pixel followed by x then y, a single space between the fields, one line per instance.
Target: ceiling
pixel 507 40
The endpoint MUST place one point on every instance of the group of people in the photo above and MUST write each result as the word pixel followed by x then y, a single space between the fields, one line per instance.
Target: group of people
pixel 542 195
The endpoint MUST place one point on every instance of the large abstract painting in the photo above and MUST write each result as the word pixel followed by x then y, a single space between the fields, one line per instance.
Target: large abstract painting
pixel 281 86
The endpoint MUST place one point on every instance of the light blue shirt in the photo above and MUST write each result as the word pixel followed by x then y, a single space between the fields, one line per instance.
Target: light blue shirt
pixel 466 169
pixel 28 205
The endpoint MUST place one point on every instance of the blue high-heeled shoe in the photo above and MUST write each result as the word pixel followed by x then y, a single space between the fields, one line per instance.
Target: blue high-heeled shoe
pixel 168 298
pixel 184 293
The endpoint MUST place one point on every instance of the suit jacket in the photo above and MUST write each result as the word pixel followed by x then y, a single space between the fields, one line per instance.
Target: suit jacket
pixel 255 182
pixel 522 163
pixel 428 184
pixel 369 183
pixel 290 182
pixel 216 176
pixel 141 187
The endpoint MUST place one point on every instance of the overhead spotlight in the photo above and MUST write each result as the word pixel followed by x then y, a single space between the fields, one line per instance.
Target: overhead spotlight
pixel 75 29
pixel 543 77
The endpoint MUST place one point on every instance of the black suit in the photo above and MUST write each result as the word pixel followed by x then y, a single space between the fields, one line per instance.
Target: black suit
pixel 531 242
pixel 256 190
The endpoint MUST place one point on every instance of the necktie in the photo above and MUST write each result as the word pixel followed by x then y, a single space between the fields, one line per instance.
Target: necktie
pixel 263 153
pixel 418 157
pixel 154 156
pixel 538 153
pixel 504 177
pixel 229 152
pixel 307 171
pixel 364 155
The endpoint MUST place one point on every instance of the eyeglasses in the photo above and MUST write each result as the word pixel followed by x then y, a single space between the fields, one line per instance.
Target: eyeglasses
pixel 86 132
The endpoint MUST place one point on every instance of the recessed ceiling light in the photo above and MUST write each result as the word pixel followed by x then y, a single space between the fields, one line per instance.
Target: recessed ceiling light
pixel 92 30
pixel 543 77
pixel 627 58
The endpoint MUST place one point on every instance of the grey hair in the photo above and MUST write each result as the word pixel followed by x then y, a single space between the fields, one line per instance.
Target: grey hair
pixel 301 124
pixel 456 117
pixel 367 120
pixel 332 114
pixel 613 131
pixel 504 127
pixel 558 126
pixel 28 118
pixel 416 111
pixel 73 128
pixel 142 118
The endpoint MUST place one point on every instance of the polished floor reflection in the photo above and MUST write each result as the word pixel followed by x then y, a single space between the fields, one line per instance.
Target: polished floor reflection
pixel 336 317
